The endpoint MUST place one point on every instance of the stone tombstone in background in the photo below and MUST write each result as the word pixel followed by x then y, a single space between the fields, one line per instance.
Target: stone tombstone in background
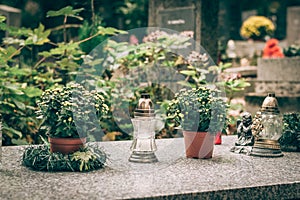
pixel 248 13
pixel 293 25
pixel 178 19
pixel 198 19
pixel 13 16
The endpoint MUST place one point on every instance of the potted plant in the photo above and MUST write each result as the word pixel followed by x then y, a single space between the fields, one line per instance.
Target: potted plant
pixel 257 28
pixel 201 114
pixel 69 114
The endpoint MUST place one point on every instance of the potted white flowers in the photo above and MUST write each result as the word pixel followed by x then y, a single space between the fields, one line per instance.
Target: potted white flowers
pixel 60 107
pixel 201 114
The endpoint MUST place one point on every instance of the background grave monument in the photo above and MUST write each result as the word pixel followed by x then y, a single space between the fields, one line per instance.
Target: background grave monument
pixel 293 25
pixel 190 17
pixel 13 17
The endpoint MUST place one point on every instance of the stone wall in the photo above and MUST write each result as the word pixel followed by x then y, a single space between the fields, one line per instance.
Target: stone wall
pixel 279 69
pixel 293 25
pixel 279 75
pixel 281 88
pixel 247 49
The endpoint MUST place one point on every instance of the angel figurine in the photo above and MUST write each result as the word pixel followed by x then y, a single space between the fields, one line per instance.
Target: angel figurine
pixel 245 137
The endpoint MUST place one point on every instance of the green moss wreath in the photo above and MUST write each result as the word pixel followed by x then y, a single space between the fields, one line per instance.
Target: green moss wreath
pixel 87 159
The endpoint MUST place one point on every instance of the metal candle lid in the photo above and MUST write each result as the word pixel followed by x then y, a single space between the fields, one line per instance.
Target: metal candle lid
pixel 145 107
pixel 270 104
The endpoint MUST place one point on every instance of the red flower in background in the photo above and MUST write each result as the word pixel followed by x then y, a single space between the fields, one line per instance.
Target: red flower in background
pixel 272 50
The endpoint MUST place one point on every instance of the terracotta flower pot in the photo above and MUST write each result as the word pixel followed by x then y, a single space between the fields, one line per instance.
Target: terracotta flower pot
pixel 66 145
pixel 198 144
pixel 218 138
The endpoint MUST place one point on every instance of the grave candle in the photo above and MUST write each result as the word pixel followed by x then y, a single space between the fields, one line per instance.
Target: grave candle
pixel 267 143
pixel 143 145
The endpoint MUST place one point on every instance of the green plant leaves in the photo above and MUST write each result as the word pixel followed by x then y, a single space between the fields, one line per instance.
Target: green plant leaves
pixel 66 11
pixel 16 71
pixel 14 88
pixel 83 158
pixel 32 92
pixel 57 108
pixel 45 54
pixel 220 68
pixel 19 104
pixel 62 49
pixel 197 109
pixel 2 18
pixel 11 132
pixel 235 85
pixel 8 53
pixel 225 66
pixel 11 40
pixel 292 50
pixel 29 65
pixel 86 159
pixel 109 31
pixel 38 36
pixel 188 72
pixel 290 139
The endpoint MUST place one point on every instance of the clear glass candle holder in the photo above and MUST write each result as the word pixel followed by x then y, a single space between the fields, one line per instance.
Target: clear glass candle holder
pixel 143 145
pixel 267 145
pixel 272 124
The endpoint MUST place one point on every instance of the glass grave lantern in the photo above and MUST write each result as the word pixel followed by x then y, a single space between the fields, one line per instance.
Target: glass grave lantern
pixel 267 144
pixel 143 145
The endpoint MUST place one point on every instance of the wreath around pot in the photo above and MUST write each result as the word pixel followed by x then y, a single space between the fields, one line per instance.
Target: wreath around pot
pixel 86 159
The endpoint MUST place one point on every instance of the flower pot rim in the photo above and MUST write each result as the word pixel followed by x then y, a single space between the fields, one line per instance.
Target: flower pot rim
pixel 200 132
pixel 66 138
pixel 189 131
pixel 67 141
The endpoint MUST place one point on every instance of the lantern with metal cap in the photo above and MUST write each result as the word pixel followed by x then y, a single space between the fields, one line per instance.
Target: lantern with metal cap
pixel 143 145
pixel 267 143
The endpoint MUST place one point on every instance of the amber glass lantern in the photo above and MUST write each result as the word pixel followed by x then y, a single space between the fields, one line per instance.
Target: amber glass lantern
pixel 267 144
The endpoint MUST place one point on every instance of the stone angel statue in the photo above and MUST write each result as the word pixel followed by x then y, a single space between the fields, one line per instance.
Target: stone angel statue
pixel 244 131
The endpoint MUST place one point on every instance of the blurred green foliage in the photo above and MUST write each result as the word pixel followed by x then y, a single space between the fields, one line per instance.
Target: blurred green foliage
pixel 30 64
pixel 292 50
pixel 35 59
pixel 290 139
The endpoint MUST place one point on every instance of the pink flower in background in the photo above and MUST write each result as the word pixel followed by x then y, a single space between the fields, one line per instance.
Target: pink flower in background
pixel 133 39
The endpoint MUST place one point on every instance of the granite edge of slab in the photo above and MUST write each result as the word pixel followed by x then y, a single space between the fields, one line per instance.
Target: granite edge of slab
pixel 277 191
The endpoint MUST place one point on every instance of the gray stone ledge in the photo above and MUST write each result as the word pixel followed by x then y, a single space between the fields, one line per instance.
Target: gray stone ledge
pixel 225 176
pixel 278 69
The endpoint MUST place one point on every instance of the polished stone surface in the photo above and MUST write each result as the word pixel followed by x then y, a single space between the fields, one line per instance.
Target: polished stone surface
pixel 226 176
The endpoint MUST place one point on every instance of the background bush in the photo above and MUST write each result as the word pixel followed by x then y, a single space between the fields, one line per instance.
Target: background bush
pixel 31 63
